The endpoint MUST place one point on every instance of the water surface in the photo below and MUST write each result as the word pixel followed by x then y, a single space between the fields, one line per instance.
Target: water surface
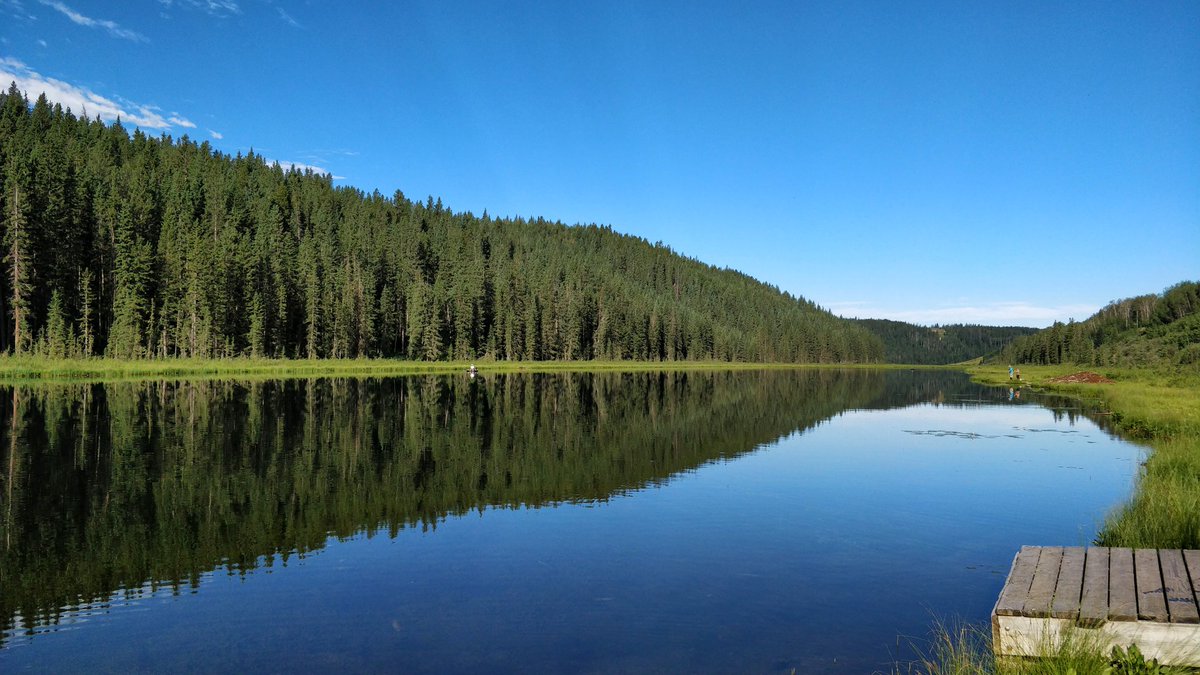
pixel 706 521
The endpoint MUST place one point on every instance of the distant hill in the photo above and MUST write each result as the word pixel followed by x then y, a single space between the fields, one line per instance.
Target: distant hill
pixel 126 245
pixel 940 345
pixel 1152 330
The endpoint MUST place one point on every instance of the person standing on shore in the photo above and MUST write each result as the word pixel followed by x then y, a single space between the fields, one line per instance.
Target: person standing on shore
pixel 1010 372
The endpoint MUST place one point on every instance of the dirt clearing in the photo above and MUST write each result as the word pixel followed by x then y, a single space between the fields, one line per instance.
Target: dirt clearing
pixel 1085 377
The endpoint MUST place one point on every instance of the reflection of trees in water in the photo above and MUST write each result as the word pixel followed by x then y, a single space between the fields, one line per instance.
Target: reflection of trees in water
pixel 117 486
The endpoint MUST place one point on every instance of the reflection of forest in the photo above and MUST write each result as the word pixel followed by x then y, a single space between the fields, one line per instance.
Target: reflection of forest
pixel 109 487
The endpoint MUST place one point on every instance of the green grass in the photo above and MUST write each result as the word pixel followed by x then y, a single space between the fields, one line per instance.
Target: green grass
pixel 25 369
pixel 967 650
pixel 18 369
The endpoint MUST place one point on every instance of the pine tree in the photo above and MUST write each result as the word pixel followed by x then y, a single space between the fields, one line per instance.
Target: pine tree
pixel 19 256
pixel 59 338
pixel 87 312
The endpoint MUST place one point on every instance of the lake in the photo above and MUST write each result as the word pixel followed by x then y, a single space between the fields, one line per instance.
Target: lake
pixel 703 521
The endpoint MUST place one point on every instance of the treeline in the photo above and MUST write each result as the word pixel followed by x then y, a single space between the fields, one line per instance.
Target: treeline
pixel 940 345
pixel 129 246
pixel 1154 330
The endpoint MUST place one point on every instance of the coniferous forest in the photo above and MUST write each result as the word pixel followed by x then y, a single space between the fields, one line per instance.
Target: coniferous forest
pixel 125 245
pixel 940 345
pixel 1148 331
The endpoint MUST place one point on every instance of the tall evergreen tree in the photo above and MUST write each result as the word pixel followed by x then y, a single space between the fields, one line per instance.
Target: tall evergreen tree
pixel 18 242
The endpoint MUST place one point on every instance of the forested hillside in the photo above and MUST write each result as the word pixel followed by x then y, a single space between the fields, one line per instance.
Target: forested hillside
pixel 129 246
pixel 1149 330
pixel 940 345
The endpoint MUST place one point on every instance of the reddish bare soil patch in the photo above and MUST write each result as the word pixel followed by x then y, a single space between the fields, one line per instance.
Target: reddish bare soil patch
pixel 1084 376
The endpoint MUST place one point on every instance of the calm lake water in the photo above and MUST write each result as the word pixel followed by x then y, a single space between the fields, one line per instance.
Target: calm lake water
pixel 682 522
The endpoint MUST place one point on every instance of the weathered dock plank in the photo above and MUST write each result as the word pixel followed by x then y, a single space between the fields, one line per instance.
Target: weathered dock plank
pixel 1151 601
pixel 1181 599
pixel 1192 560
pixel 1045 576
pixel 1069 588
pixel 1012 597
pixel 1122 589
pixel 1093 605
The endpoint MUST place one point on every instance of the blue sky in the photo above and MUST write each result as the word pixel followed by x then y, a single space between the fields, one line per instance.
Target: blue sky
pixel 936 162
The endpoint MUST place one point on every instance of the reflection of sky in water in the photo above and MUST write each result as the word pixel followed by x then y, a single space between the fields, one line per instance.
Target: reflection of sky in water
pixel 829 544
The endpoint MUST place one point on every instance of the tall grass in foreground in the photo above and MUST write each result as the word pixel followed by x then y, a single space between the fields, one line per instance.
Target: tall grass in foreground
pixel 1165 509
pixel 967 650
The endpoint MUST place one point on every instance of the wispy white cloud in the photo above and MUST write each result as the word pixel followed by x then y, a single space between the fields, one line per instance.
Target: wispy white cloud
pixel 300 166
pixel 43 43
pixel 81 99
pixel 218 8
pixel 318 157
pixel 287 18
pixel 1008 313
pixel 16 9
pixel 216 134
pixel 114 29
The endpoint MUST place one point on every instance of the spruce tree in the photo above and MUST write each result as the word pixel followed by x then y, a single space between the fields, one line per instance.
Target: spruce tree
pixel 18 240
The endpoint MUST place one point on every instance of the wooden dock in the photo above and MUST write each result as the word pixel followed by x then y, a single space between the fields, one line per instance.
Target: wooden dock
pixel 1115 596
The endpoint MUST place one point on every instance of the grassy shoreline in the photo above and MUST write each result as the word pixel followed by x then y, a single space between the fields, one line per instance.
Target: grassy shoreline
pixel 31 369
